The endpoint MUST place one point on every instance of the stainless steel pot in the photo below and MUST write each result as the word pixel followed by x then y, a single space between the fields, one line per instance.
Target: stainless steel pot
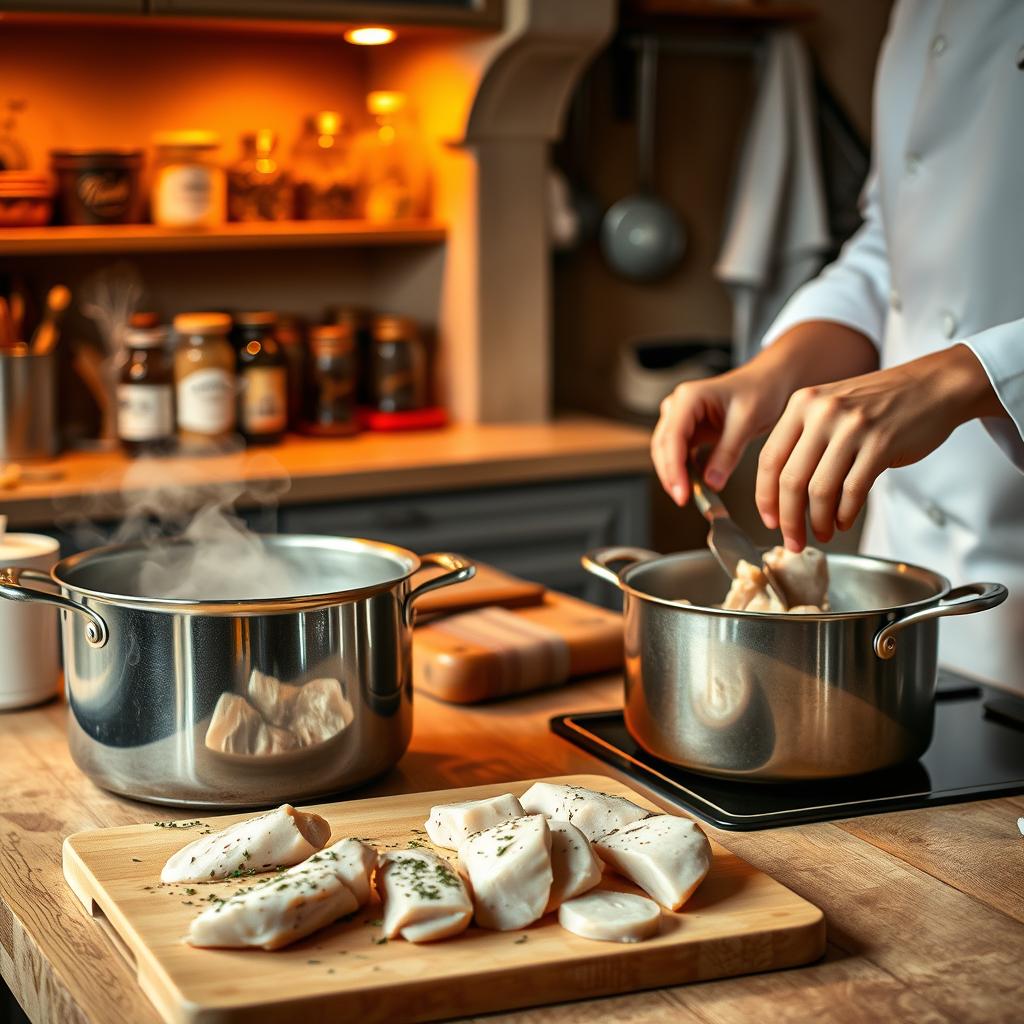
pixel 777 697
pixel 239 702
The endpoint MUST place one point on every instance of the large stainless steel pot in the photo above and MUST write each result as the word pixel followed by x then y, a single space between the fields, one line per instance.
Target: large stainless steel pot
pixel 776 697
pixel 146 675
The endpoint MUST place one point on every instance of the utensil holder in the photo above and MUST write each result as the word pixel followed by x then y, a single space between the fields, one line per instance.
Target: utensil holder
pixel 28 406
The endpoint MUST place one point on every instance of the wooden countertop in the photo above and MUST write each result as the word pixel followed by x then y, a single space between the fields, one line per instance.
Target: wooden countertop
pixel 925 909
pixel 319 469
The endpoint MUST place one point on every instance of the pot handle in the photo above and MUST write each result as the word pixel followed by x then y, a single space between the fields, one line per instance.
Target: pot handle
pixel 598 562
pixel 96 632
pixel 461 570
pixel 972 597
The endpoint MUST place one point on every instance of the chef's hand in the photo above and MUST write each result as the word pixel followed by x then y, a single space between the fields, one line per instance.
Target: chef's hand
pixel 833 440
pixel 731 410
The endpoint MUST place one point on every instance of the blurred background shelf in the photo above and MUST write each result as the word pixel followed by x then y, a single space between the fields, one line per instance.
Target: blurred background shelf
pixel 122 238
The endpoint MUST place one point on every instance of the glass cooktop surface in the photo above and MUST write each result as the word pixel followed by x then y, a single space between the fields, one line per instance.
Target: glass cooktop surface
pixel 977 752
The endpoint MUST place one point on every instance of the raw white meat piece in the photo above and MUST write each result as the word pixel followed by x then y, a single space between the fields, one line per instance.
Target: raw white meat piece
pixel 593 813
pixel 271 698
pixel 668 857
pixel 749 591
pixel 424 899
pixel 271 740
pixel 509 871
pixel 449 825
pixel 354 863
pixel 287 907
pixel 320 711
pixel 803 576
pixel 281 836
pixel 611 916
pixel 574 865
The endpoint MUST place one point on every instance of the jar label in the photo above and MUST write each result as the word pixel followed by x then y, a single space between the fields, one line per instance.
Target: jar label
pixel 183 195
pixel 264 400
pixel 206 402
pixel 145 412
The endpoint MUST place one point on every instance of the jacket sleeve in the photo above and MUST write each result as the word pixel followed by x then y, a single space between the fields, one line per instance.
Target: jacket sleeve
pixel 1000 350
pixel 854 290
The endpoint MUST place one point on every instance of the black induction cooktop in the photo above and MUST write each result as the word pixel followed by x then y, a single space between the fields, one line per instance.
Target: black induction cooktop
pixel 977 752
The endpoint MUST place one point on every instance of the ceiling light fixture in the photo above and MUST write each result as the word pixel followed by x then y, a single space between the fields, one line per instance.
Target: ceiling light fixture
pixel 370 35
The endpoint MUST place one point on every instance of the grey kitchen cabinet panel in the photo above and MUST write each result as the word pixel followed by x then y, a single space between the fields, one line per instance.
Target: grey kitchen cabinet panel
pixel 538 531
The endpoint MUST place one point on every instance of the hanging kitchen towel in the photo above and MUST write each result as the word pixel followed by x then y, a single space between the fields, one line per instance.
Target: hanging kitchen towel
pixel 778 232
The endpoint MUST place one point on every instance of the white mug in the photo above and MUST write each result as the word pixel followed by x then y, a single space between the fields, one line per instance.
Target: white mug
pixel 30 670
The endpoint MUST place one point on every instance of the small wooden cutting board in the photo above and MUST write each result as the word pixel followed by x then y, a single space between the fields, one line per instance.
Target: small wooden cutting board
pixel 739 921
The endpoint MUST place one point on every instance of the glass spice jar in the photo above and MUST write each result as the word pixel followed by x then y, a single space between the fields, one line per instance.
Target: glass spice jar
pixel 204 381
pixel 259 189
pixel 262 379
pixel 399 365
pixel 145 392
pixel 361 323
pixel 330 408
pixel 189 184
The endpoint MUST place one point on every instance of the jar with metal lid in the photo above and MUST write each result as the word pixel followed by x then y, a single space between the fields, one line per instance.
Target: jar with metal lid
pixel 98 186
pixel 330 407
pixel 145 392
pixel 204 381
pixel 399 365
pixel 259 188
pixel 262 379
pixel 189 183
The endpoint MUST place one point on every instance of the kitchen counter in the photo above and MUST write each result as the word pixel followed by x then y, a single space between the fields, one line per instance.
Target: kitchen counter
pixel 925 909
pixel 308 470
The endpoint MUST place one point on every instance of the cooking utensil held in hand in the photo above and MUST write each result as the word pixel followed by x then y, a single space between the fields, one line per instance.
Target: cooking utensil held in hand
pixel 776 696
pixel 641 235
pixel 728 543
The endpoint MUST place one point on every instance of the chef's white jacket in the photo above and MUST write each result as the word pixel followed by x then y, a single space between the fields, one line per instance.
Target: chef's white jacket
pixel 939 260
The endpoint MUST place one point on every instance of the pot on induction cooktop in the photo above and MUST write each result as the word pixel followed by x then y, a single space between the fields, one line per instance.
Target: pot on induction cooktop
pixel 773 697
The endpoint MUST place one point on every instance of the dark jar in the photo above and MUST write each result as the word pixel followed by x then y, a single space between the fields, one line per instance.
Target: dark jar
pixel 262 379
pixel 399 365
pixel 145 394
pixel 330 407
pixel 98 186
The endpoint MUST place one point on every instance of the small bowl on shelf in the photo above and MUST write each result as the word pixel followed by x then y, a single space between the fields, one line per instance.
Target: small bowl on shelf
pixel 26 199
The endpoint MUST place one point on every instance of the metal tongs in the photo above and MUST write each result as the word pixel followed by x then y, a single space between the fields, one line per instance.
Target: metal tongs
pixel 728 543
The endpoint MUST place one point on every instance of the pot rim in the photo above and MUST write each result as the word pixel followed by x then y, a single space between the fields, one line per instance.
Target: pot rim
pixel 902 568
pixel 236 606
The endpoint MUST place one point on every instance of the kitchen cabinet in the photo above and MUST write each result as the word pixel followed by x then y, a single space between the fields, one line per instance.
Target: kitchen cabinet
pixel 75 6
pixel 538 532
pixel 423 12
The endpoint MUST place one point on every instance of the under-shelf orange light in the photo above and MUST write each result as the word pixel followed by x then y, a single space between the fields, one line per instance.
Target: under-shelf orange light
pixel 370 35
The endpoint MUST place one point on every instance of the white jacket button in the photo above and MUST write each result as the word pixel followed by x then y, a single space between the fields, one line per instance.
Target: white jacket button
pixel 948 324
pixel 939 44
pixel 913 163
pixel 935 514
pixel 894 300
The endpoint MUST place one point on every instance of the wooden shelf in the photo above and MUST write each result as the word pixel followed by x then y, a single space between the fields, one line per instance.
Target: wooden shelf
pixel 120 238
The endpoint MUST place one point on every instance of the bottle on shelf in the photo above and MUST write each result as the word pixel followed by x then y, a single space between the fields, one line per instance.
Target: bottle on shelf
pixel 325 178
pixel 145 390
pixel 204 381
pixel 291 336
pixel 393 161
pixel 400 379
pixel 330 407
pixel 360 321
pixel 189 184
pixel 258 187
pixel 262 379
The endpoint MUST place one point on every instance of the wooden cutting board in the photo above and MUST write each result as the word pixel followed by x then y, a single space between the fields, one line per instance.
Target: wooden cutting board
pixel 489 586
pixel 739 921
pixel 492 653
